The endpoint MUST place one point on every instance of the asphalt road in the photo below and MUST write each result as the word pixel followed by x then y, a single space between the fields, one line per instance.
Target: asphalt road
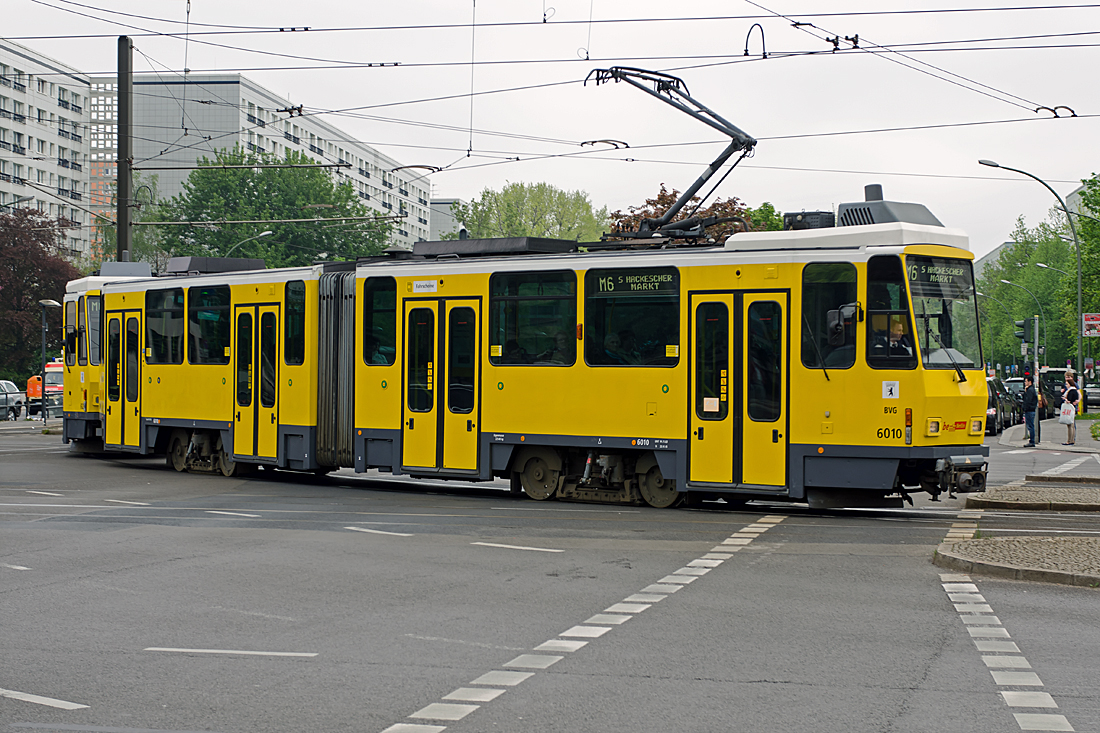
pixel 161 602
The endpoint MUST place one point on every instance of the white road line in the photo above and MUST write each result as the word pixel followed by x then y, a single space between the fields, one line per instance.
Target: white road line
pixel 414 728
pixel 444 711
pixel 474 694
pixel 586 632
pixel 999 661
pixel 233 514
pixel 378 531
pixel 563 645
pixel 1018 450
pixel 229 651
pixel 43 493
pixel 534 661
pixel 13 567
pixel 121 501
pixel 1042 721
pixel 1018 699
pixel 498 677
pixel 39 700
pixel 1067 466
pixel 516 547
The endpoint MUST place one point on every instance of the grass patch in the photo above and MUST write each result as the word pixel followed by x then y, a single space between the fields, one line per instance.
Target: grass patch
pixel 1089 416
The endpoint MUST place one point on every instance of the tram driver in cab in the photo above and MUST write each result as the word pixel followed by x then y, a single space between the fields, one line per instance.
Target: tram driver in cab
pixel 895 340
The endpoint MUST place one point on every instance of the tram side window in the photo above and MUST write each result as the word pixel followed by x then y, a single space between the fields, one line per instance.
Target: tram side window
pixel 533 318
pixel 208 325
pixel 70 333
pixel 95 328
pixel 632 317
pixel 294 324
pixel 81 334
pixel 380 320
pixel 828 329
pixel 889 329
pixel 114 359
pixel 164 326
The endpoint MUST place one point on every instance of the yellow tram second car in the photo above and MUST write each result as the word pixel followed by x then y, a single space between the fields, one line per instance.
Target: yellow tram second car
pixel 838 366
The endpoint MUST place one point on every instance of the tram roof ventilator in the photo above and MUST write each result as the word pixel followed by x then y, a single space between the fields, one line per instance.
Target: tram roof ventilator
pixel 872 210
pixel 211 265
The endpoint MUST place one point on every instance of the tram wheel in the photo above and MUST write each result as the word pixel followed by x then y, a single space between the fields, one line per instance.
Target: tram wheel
pixel 177 450
pixel 657 491
pixel 226 465
pixel 538 480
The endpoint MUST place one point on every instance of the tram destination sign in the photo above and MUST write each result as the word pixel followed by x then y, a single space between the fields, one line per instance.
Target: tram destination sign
pixel 940 277
pixel 635 281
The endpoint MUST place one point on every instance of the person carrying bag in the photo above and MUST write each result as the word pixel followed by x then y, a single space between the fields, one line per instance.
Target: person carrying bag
pixel 1070 396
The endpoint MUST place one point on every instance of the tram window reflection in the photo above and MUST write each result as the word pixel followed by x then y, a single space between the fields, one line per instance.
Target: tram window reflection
pixel 95 328
pixel 826 286
pixel 889 341
pixel 632 317
pixel 765 363
pixel 380 320
pixel 208 328
pixel 294 324
pixel 164 326
pixel 533 318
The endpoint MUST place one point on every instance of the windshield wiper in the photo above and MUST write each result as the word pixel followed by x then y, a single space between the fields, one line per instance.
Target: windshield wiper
pixel 817 349
pixel 933 334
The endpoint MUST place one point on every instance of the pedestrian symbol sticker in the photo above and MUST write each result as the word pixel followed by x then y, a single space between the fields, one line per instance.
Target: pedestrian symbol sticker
pixel 890 390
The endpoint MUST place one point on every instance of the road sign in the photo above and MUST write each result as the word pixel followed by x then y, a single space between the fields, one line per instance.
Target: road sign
pixel 1023 349
pixel 1091 324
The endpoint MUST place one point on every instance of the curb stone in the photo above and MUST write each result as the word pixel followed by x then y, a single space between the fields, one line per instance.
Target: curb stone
pixel 945 557
pixel 1043 478
pixel 973 502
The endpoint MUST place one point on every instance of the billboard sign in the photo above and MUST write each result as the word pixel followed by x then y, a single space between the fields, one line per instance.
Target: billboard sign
pixel 1091 324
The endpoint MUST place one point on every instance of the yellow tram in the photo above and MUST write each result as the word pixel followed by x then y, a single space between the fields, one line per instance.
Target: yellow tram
pixel 839 366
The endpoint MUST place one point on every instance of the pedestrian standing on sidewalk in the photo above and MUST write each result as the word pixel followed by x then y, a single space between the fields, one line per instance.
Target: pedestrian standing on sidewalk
pixel 1071 395
pixel 1031 402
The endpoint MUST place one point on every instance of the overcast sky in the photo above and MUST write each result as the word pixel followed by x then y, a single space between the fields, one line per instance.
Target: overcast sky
pixel 912 70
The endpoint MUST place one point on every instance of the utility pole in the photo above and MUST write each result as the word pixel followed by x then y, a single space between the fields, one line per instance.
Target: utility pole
pixel 123 180
pixel 1038 382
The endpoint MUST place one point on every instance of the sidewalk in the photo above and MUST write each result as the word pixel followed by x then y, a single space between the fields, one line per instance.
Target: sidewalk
pixel 1066 560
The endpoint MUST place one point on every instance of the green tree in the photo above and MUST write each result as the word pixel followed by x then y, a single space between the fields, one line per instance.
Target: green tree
pixel 762 218
pixel 32 268
pixel 532 210
pixel 214 196
pixel 148 243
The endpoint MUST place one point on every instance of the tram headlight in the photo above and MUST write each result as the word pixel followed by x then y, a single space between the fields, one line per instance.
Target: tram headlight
pixel 932 427
pixel 977 426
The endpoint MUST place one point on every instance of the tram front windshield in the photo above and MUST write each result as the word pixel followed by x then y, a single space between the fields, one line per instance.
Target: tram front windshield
pixel 945 312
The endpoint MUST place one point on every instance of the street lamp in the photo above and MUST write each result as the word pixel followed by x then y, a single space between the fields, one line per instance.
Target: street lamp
pixel 1076 246
pixel 46 303
pixel 16 203
pixel 1046 357
pixel 1048 267
pixel 238 244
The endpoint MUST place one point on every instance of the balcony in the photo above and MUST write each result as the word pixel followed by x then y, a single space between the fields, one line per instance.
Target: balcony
pixel 19 118
pixel 292 138
pixel 341 161
pixel 387 184
pixel 76 138
pixel 402 232
pixel 256 120
pixel 5 81
pixel 364 172
pixel 6 114
pixel 387 206
pixel 364 195
pixel 75 108
pixel 64 133
pixel 422 220
pixel 63 163
pixel 18 87
pixel 5 178
pixel 74 195
pixel 62 192
pixel 423 202
pixel 77 166
pixel 315 149
pixel 5 145
pixel 63 103
pixel 18 149
pixel 19 181
pixel 403 191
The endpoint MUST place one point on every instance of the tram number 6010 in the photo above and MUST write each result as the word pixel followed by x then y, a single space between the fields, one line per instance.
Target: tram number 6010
pixel 889 433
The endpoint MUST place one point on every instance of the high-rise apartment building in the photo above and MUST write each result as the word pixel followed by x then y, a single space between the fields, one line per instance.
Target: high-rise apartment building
pixel 179 120
pixel 43 140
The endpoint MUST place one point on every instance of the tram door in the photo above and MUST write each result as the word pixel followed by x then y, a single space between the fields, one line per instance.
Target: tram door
pixel 123 419
pixel 441 385
pixel 256 393
pixel 712 410
pixel 763 384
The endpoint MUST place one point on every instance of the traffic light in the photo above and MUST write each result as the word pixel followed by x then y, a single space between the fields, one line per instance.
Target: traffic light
pixel 1023 330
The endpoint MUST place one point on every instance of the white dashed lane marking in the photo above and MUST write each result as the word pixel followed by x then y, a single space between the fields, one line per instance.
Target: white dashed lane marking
pixel 229 651
pixel 13 567
pixel 233 514
pixel 1067 466
pixel 1003 659
pixel 44 493
pixel 39 700
pixel 579 636
pixel 378 531
pixel 131 503
pixel 516 547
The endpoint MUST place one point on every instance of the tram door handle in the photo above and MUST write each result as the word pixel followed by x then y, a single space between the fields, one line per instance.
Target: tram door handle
pixel 238 415
pixel 410 423
pixel 135 410
pixel 273 417
pixel 469 426
pixel 108 409
pixel 699 432
pixel 776 436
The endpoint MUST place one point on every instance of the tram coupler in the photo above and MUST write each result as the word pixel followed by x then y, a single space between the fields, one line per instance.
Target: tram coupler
pixel 961 474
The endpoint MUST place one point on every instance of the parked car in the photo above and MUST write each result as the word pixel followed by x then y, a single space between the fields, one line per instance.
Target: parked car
pixel 1017 411
pixel 1000 409
pixel 11 400
pixel 1092 393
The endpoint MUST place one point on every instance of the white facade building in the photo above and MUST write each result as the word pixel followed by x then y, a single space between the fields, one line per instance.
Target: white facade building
pixel 43 140
pixel 177 121
pixel 443 220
